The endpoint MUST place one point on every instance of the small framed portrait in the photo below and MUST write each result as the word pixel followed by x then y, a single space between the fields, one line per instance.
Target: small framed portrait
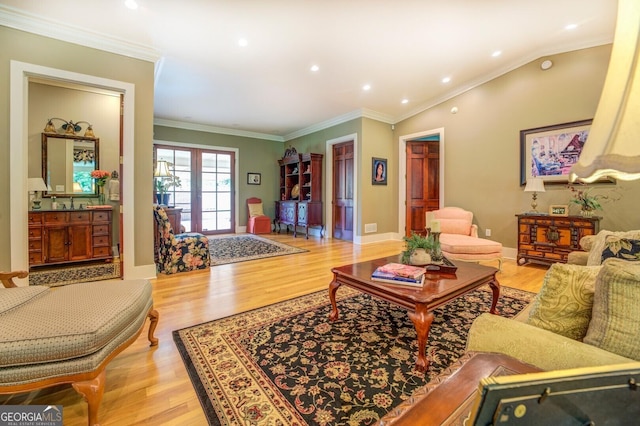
pixel 558 210
pixel 379 171
pixel 254 178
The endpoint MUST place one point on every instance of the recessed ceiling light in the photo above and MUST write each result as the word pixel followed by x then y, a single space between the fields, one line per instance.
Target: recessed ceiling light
pixel 314 68
pixel 446 79
pixel 571 27
pixel 366 87
pixel 405 101
pixel 131 4
pixel 496 53
pixel 243 42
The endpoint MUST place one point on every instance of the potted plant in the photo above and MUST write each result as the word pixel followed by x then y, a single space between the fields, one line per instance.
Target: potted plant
pixel 163 184
pixel 418 249
pixel 588 202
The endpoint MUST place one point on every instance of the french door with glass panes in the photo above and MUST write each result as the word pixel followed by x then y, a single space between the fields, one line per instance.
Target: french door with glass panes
pixel 205 190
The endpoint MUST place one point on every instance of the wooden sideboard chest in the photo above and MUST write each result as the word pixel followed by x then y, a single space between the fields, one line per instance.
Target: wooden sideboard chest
pixel 59 236
pixel 549 239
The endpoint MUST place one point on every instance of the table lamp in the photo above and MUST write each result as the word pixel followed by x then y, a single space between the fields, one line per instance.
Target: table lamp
pixel 534 185
pixel 34 185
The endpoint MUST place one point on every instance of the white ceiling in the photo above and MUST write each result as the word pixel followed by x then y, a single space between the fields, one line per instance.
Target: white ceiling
pixel 402 48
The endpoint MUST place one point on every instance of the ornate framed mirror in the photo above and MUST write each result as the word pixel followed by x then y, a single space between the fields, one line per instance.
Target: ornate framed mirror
pixel 67 163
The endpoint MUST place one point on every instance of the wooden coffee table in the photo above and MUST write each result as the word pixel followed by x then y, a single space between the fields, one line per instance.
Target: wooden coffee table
pixel 449 398
pixel 437 290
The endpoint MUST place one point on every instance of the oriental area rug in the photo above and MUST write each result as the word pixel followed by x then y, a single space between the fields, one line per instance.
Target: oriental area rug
pixel 287 364
pixel 240 248
pixel 63 275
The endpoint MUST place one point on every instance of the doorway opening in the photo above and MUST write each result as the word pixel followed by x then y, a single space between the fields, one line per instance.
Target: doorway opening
pixel 404 209
pixel 205 192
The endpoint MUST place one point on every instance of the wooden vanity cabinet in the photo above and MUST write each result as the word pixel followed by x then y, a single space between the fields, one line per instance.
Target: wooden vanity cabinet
pixel 58 236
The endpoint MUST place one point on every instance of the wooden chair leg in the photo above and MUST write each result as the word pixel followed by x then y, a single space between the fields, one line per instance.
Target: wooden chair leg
pixel 91 391
pixel 153 318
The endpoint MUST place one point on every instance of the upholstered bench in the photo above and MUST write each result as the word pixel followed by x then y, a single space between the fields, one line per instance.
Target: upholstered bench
pixel 69 334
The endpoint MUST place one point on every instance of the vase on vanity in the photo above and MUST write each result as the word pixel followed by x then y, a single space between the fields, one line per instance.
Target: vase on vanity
pixel 101 198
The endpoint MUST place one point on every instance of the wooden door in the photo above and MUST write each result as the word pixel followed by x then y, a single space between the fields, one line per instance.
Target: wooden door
pixel 423 183
pixel 342 202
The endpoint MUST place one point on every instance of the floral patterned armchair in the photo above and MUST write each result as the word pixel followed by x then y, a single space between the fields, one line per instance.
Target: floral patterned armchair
pixel 179 252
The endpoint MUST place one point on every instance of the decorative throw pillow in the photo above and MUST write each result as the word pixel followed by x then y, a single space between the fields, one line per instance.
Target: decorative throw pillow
pixel 595 254
pixel 621 248
pixel 615 323
pixel 256 210
pixel 564 302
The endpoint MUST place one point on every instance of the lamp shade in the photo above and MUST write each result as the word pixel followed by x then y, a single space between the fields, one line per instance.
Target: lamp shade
pixel 36 184
pixel 535 184
pixel 162 169
pixel 613 145
pixel 77 187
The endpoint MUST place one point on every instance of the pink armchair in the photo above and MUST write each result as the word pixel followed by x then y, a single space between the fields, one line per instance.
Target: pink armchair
pixel 459 237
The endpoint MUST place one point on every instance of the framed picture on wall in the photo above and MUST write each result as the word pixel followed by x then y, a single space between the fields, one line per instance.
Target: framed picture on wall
pixel 379 171
pixel 254 178
pixel 549 152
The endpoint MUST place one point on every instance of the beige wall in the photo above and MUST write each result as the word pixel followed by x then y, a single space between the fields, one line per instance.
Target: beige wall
pixel 482 141
pixel 37 50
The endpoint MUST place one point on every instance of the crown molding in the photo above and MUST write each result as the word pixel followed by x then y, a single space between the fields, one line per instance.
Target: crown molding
pixel 359 113
pixel 23 21
pixel 214 129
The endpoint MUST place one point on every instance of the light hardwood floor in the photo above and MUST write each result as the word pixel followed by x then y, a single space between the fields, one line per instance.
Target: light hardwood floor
pixel 150 385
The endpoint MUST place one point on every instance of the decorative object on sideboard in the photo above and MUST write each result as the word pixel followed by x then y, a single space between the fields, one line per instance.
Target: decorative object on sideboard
pixel 534 185
pixel 613 149
pixel 583 196
pixel 35 185
pixel 164 180
pixel 69 127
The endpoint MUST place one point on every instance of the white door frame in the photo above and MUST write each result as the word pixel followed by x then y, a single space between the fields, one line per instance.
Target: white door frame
pixel 402 174
pixel 20 75
pixel 328 190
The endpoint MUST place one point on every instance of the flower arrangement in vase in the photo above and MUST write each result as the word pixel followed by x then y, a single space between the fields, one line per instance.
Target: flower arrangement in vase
pixel 100 176
pixel 588 202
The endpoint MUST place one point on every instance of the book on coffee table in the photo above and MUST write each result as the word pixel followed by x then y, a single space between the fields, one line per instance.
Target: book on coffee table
pixel 402 270
pixel 390 278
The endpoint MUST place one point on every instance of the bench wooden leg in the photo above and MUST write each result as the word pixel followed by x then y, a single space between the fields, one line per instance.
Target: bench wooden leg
pixel 91 391
pixel 153 318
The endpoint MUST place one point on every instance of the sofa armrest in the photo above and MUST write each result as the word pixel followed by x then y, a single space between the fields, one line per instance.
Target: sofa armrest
pixel 587 241
pixel 474 230
pixel 535 346
pixel 578 258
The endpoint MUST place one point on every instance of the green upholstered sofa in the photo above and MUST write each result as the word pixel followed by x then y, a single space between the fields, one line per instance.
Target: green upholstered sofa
pixel 69 334
pixel 583 316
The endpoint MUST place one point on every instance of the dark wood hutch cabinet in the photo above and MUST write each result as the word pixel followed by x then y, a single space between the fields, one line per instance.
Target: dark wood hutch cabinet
pixel 300 203
pixel 549 239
